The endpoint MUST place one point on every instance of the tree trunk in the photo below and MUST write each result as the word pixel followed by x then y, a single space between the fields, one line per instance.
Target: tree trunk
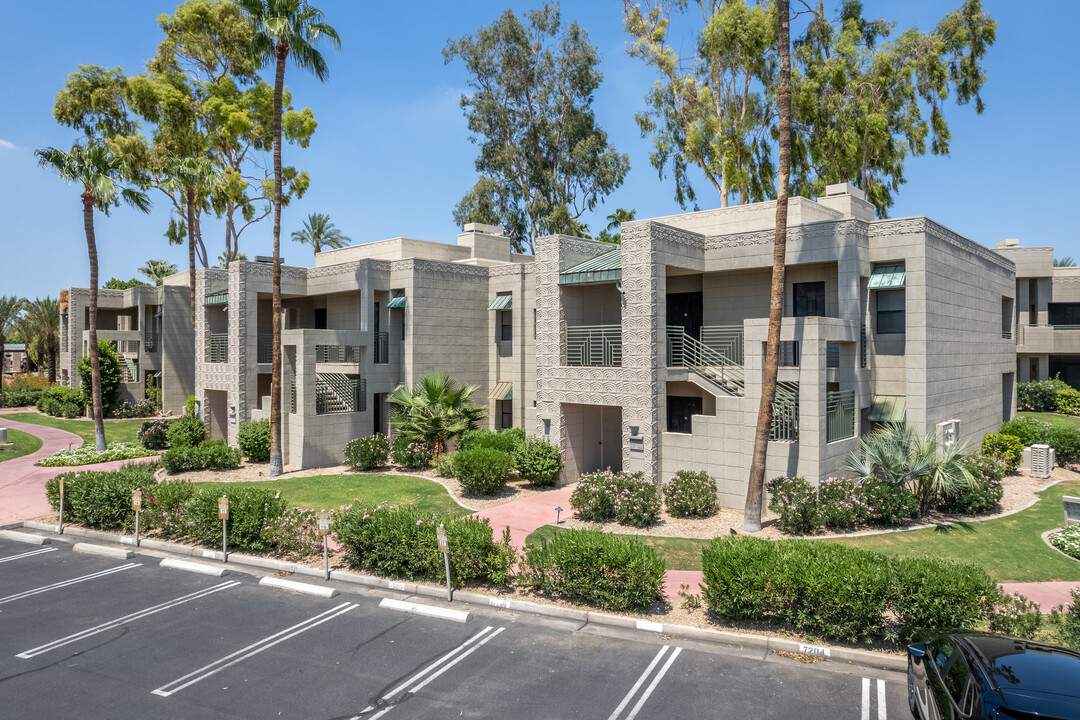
pixel 95 361
pixel 756 488
pixel 276 462
pixel 191 248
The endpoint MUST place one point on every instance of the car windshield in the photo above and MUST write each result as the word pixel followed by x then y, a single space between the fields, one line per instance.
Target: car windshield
pixel 1020 666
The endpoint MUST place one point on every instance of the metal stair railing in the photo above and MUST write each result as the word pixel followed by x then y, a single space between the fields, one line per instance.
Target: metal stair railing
pixel 593 346
pixel 728 340
pixel 713 365
pixel 338 393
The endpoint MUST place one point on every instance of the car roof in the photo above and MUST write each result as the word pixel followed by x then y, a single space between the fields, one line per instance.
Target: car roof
pixel 1021 665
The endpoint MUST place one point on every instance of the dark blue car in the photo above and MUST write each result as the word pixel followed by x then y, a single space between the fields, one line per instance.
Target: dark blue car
pixel 959 676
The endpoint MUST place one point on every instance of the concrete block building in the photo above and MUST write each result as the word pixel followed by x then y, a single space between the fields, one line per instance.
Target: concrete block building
pixel 365 319
pixel 650 355
pixel 1047 317
pixel 151 330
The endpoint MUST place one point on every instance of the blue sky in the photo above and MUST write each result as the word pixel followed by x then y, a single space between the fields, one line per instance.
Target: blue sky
pixel 391 155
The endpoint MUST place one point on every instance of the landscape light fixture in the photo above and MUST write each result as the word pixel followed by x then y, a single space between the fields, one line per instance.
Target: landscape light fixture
pixel 558 511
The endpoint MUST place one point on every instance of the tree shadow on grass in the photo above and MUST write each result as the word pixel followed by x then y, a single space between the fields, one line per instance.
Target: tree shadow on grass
pixel 954 527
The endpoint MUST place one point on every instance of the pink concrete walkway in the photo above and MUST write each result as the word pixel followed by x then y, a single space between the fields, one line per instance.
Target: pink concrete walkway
pixel 1047 594
pixel 22 484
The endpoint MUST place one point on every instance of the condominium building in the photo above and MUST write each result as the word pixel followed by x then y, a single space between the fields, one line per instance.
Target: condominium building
pixel 364 320
pixel 150 327
pixel 650 355
pixel 1047 314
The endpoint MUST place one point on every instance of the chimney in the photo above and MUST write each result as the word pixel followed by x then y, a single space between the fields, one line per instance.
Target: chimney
pixel 1008 243
pixel 849 200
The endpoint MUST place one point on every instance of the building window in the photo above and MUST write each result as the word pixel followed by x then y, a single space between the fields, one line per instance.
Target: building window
pixel 1064 313
pixel 809 299
pixel 320 318
pixel 506 414
pixel 506 325
pixel 890 312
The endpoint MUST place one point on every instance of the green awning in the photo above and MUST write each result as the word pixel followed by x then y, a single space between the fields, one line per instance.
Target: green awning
pixel 887 277
pixel 217 299
pixel 158 314
pixel 888 408
pixel 502 302
pixel 398 301
pixel 602 268
pixel 157 374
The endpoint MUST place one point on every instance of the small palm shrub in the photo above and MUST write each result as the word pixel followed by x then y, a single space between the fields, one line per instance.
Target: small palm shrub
pixel 364 454
pixel 483 471
pixel 186 431
pixel 538 461
pixel 254 440
pixel 434 411
pixel 411 454
pixel 154 434
pixel 691 494
pixel 1028 430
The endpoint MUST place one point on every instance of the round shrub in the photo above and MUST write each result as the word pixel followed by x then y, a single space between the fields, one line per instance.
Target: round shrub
pixel 444 466
pixel 795 501
pixel 888 504
pixel 841 503
pixel 1027 430
pixel 186 431
pixel 413 455
pixel 1068 401
pixel 154 434
pixel 538 461
pixel 254 440
pixel 482 470
pixel 614 572
pixel 607 495
pixel 983 495
pixel 934 594
pixel 691 494
pixel 1007 449
pixel 1066 444
pixel 210 455
pixel 364 454
pixel 251 511
pixel 61 401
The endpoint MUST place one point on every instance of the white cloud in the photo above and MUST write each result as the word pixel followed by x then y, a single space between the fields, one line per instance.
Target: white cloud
pixel 6 145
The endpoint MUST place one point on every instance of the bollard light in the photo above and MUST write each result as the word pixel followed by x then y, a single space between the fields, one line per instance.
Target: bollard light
pixel 558 511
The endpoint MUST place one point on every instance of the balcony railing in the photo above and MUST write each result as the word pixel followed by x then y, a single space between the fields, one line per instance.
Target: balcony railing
pixel 265 349
pixel 150 342
pixel 832 354
pixel 728 340
pixel 381 348
pixel 790 354
pixel 839 415
pixel 1006 333
pixel 349 354
pixel 785 421
pixel 593 346
pixel 338 393
pixel 217 349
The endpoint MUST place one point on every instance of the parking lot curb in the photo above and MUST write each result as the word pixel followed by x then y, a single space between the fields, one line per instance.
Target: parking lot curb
pixel 195 567
pixel 23 537
pixel 764 643
pixel 299 587
pixel 426 610
pixel 116 553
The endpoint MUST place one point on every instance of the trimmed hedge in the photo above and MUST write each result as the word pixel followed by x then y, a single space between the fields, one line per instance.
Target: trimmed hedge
pixel 614 572
pixel 506 441
pixel 254 440
pixel 99 499
pixel 401 542
pixel 210 455
pixel 838 592
pixel 186 431
pixel 538 461
pixel 251 511
pixel 483 470
pixel 364 454
pixel 1027 430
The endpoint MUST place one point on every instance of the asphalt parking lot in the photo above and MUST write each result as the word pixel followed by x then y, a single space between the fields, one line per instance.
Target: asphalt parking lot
pixel 91 637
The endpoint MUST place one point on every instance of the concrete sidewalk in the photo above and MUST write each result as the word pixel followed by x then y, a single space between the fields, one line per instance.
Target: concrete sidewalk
pixel 1047 594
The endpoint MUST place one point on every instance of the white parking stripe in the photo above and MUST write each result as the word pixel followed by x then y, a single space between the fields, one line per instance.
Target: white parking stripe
pixel 405 685
pixel 127 618
pixel 881 700
pixel 865 699
pixel 9 558
pixel 641 681
pixel 653 684
pixel 253 649
pixel 65 583
pixel 456 660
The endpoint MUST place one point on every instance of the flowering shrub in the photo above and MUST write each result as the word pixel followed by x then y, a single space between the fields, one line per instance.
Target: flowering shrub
pixel 1040 396
pixel 412 455
pixel 1068 541
pixel 368 453
pixel 88 455
pixel 983 495
pixel 164 507
pixel 691 494
pixel 890 504
pixel 294 531
pixel 154 434
pixel 401 542
pixel 795 501
pixel 606 495
pixel 143 408
pixel 841 503
pixel 20 390
pixel 1066 621
pixel 1016 616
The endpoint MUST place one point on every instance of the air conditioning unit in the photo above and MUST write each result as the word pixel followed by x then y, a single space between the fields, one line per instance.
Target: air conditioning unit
pixel 1042 461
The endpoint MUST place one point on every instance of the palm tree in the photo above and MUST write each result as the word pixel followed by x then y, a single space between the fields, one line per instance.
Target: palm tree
pixel 223 259
pixel 98 172
pixel 41 328
pixel 897 454
pixel 10 307
pixel 284 27
pixel 755 488
pixel 434 411
pixel 1066 261
pixel 196 178
pixel 319 232
pixel 158 270
pixel 617 218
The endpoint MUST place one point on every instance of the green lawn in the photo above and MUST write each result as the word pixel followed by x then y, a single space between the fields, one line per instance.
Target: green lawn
pixel 115 430
pixel 1069 422
pixel 24 444
pixel 329 492
pixel 1009 548
pixel 677 553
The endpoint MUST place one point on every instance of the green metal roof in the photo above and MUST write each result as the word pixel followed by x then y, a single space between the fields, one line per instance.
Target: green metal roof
pixel 602 268
pixel 504 301
pixel 217 299
pixel 888 408
pixel 885 277
pixel 398 301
